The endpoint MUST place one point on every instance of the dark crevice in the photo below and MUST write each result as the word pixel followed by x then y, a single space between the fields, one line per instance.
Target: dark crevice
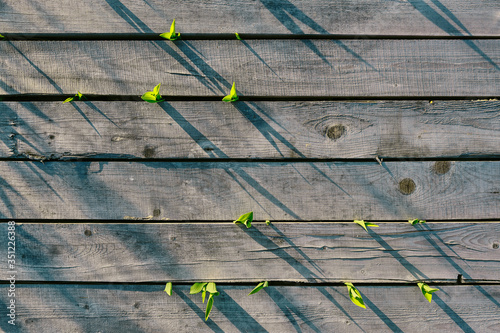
pixel 226 36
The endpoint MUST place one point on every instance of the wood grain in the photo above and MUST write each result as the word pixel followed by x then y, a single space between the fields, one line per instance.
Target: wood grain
pixel 388 129
pixel 421 17
pixel 224 252
pixel 273 190
pixel 346 68
pixel 108 308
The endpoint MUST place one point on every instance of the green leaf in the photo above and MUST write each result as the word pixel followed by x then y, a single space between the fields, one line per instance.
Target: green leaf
pixel 210 303
pixel 237 36
pixel 156 90
pixel 365 224
pixel 2 37
pixel 268 222
pixel 355 295
pixel 172 35
pixel 259 287
pixel 246 219
pixel 203 294
pixel 426 290
pixel 197 287
pixel 211 288
pixel 69 99
pixel 168 288
pixel 79 94
pixel 232 97
pixel 153 96
pixel 415 221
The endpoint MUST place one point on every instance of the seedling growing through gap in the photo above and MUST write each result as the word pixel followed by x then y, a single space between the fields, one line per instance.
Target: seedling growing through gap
pixel 72 98
pixel 232 97
pixel 172 35
pixel 415 221
pixel 237 36
pixel 365 224
pixel 259 287
pixel 268 222
pixel 205 287
pixel 426 290
pixel 246 219
pixel 2 36
pixel 153 96
pixel 168 288
pixel 355 295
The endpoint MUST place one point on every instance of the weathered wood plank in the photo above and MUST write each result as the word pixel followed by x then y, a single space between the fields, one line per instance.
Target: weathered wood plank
pixel 259 67
pixel 306 252
pixel 394 129
pixel 273 190
pixel 446 17
pixel 109 308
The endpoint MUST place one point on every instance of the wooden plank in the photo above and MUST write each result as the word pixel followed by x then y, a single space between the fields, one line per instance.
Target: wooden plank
pixel 259 67
pixel 305 252
pixel 393 129
pixel 446 17
pixel 109 308
pixel 273 190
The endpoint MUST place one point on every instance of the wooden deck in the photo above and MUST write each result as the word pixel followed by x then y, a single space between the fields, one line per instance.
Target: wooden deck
pixel 368 109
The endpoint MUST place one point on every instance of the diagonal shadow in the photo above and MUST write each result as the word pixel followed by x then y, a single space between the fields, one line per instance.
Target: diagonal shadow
pixel 392 326
pixel 129 17
pixel 436 18
pixel 243 321
pixel 215 151
pixel 418 276
pixel 201 313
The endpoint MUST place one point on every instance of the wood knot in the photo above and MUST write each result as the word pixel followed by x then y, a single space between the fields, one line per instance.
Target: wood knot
pixel 156 212
pixel 88 233
pixel 495 245
pixel 442 167
pixel 149 152
pixel 336 131
pixel 407 186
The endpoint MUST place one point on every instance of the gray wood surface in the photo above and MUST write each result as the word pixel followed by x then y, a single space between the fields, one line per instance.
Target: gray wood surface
pixel 224 190
pixel 259 67
pixel 305 252
pixel 422 17
pixel 115 308
pixel 395 129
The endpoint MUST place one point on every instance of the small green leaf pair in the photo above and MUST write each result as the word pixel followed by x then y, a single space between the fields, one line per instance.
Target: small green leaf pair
pixel 365 224
pixel 205 287
pixel 168 288
pixel 72 98
pixel 172 35
pixel 2 36
pixel 259 287
pixel 355 295
pixel 246 219
pixel 415 221
pixel 426 290
pixel 153 96
pixel 232 97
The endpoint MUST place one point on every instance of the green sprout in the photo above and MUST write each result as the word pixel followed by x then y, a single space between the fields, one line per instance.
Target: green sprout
pixel 72 98
pixel 268 222
pixel 365 224
pixel 415 221
pixel 153 96
pixel 246 219
pixel 2 36
pixel 426 290
pixel 204 287
pixel 168 288
pixel 237 36
pixel 172 35
pixel 232 97
pixel 355 295
pixel 259 287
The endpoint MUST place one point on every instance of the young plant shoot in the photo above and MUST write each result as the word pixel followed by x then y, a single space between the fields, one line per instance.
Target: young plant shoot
pixel 426 290
pixel 415 221
pixel 246 219
pixel 259 287
pixel 172 35
pixel 205 287
pixel 365 224
pixel 355 295
pixel 2 36
pixel 237 36
pixel 232 97
pixel 72 98
pixel 153 96
pixel 168 288
pixel 268 222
